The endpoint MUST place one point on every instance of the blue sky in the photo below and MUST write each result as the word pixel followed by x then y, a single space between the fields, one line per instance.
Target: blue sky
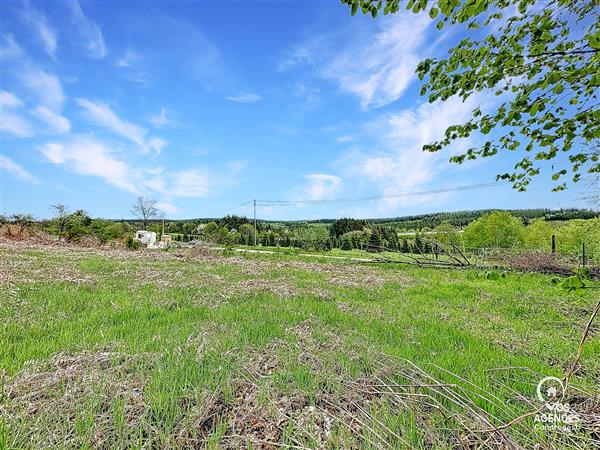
pixel 204 105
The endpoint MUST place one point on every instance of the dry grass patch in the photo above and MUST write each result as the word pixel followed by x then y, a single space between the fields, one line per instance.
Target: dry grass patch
pixel 90 398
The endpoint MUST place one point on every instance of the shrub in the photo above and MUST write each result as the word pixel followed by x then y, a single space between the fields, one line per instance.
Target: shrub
pixel 497 229
pixel 132 244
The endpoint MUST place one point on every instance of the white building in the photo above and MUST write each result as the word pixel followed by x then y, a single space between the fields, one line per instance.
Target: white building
pixel 147 238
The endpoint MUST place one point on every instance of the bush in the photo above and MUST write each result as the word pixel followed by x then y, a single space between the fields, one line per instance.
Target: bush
pixel 498 229
pixel 538 236
pixel 132 244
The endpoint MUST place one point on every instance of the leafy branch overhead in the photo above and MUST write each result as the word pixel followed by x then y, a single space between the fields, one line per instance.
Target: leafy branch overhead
pixel 542 59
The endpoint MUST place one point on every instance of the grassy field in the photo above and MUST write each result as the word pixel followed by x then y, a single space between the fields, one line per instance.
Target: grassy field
pixel 187 348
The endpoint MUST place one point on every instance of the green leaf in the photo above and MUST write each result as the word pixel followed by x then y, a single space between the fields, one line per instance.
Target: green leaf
pixel 594 40
pixel 433 12
pixel 572 284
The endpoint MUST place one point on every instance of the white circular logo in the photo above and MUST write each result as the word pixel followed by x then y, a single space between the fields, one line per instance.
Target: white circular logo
pixel 550 389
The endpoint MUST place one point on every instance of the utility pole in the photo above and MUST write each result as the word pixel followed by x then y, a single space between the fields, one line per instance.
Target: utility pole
pixel 254 222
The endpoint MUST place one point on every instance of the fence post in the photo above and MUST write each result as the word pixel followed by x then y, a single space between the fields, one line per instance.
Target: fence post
pixel 583 254
pixel 553 244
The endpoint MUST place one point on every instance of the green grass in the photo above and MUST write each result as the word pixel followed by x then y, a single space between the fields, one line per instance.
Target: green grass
pixel 200 348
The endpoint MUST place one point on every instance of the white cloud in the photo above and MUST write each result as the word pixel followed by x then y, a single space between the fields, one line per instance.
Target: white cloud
pixel 320 186
pixel 376 66
pixel 135 69
pixel 161 120
pixel 307 53
pixel 89 30
pixel 244 97
pixel 87 156
pixel 156 144
pixel 12 123
pixel 190 183
pixel 58 123
pixel 167 207
pixel 9 100
pixel 45 85
pixel 101 114
pixel 45 31
pixel 401 165
pixel 8 165
pixel 345 138
pixel 10 49
pixel 380 69
pixel 128 59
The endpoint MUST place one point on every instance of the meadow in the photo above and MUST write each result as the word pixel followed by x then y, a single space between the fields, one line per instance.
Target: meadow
pixel 192 348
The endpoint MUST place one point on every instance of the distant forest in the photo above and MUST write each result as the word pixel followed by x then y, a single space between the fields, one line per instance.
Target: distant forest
pixel 458 219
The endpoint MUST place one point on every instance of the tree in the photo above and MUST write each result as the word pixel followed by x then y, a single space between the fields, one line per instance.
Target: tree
pixel 62 217
pixel 247 233
pixel 343 226
pixel 538 235
pixel 23 222
pixel 543 63
pixel 446 234
pixel 498 229
pixel 145 209
pixel 233 222
pixel 418 243
pixel 375 241
pixel 77 225
pixel 405 247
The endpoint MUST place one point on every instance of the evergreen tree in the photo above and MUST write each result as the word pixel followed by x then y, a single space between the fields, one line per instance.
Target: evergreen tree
pixel 418 245
pixel 375 241
pixel 405 248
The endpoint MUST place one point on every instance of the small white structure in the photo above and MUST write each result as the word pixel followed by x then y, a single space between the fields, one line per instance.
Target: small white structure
pixel 147 238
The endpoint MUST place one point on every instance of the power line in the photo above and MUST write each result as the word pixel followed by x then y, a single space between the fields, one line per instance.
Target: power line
pixel 240 205
pixel 377 197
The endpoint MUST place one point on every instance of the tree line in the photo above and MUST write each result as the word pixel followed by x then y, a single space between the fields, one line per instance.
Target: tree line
pixel 491 230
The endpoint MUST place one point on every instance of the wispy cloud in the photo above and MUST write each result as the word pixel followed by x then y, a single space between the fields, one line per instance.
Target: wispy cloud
pixel 400 164
pixel 167 207
pixel 45 85
pixel 156 144
pixel 39 83
pixel 101 114
pixel 57 122
pixel 16 125
pixel 87 156
pixel 376 67
pixel 163 119
pixel 134 68
pixel 46 33
pixel 9 100
pixel 344 139
pixel 309 52
pixel 128 59
pixel 244 97
pixel 379 71
pixel 319 186
pixel 10 50
pixel 91 35
pixel 12 122
pixel 190 183
pixel 11 167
